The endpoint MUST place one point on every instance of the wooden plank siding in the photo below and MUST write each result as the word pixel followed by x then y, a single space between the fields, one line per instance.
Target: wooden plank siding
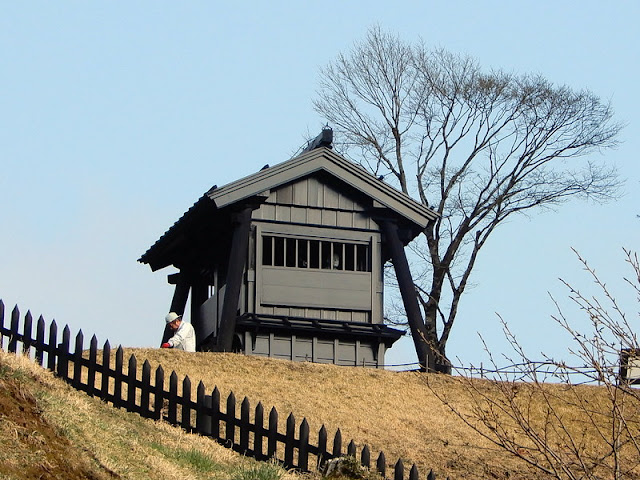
pixel 313 208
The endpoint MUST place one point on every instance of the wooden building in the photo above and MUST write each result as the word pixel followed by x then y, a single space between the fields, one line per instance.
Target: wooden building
pixel 288 262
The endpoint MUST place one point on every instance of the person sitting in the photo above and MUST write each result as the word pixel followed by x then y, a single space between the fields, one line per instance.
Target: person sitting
pixel 184 336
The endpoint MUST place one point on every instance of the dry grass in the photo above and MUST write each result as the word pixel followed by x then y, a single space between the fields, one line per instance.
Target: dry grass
pixel 57 432
pixel 397 413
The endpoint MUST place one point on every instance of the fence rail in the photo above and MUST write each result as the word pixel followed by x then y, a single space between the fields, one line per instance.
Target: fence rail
pixel 91 372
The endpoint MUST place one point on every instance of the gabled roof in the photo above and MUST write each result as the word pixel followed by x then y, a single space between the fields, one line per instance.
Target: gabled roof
pixel 210 206
pixel 341 168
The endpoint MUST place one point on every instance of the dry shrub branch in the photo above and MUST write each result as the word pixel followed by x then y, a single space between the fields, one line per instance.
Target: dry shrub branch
pixel 570 422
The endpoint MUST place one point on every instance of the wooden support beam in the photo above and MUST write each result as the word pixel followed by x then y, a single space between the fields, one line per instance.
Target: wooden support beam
pixel 237 261
pixel 181 293
pixel 179 300
pixel 409 295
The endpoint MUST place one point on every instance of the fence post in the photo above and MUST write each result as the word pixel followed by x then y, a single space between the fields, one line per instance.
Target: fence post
pixel 132 368
pixel 398 471
pixel 365 457
pixel 381 465
pixel 186 404
pixel 26 333
pixel 351 449
pixel 413 473
pixel 172 414
pixel 39 341
pixel 13 330
pixel 303 448
pixel 1 324
pixel 337 444
pixel 203 418
pixel 230 431
pixel 53 346
pixel 118 378
pixel 289 441
pixel 215 413
pixel 63 354
pixel 323 454
pixel 106 371
pixel 272 436
pixel 91 368
pixel 244 425
pixel 145 407
pixel 158 393
pixel 77 361
pixel 259 431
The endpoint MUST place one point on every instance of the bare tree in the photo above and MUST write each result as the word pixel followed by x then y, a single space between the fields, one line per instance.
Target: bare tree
pixel 587 424
pixel 475 146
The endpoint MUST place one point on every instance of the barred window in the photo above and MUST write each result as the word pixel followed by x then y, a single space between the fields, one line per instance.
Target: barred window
pixel 279 251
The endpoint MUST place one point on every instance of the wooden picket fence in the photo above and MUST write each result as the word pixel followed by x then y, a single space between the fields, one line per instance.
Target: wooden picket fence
pixel 92 372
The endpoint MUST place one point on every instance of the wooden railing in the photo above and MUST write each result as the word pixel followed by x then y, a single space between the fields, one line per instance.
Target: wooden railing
pixel 92 372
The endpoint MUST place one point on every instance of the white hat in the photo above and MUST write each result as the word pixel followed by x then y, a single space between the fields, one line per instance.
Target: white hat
pixel 171 317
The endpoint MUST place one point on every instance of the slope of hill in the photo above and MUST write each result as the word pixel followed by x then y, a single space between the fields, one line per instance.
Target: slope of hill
pixel 392 412
pixel 50 431
pixel 401 414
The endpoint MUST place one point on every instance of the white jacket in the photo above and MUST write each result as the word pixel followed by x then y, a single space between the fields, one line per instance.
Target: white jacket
pixel 184 338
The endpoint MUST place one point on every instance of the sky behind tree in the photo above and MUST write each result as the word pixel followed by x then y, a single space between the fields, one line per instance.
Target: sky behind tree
pixel 116 117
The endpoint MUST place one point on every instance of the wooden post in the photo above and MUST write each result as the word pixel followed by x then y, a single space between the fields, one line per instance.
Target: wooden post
pixel 39 341
pixel 381 465
pixel 215 413
pixel 289 441
pixel 106 371
pixel 409 295
pixel 272 436
pixel 1 323
pixel 131 384
pixel 158 393
pixel 13 335
pixel 230 430
pixel 398 470
pixel 26 335
pixel 63 354
pixel 244 426
pixel 203 419
pixel 53 345
pixel 77 360
pixel 186 404
pixel 303 449
pixel 117 378
pixel 323 455
pixel 91 369
pixel 145 391
pixel 351 449
pixel 337 444
pixel 259 432
pixel 172 414
pixel 237 261
pixel 365 457
pixel 413 474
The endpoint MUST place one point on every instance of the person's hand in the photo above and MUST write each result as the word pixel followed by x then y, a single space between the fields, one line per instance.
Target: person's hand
pixel 165 345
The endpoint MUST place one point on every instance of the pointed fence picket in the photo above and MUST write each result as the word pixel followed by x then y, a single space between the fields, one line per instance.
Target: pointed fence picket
pixel 124 389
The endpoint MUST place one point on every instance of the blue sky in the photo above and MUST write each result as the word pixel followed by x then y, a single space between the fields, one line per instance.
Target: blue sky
pixel 115 117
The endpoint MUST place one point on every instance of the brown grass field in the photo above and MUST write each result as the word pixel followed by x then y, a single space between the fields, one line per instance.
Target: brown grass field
pixel 398 413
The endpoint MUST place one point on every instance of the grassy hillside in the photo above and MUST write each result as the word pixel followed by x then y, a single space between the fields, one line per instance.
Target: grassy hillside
pixel 48 427
pixel 398 413
pixel 50 431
